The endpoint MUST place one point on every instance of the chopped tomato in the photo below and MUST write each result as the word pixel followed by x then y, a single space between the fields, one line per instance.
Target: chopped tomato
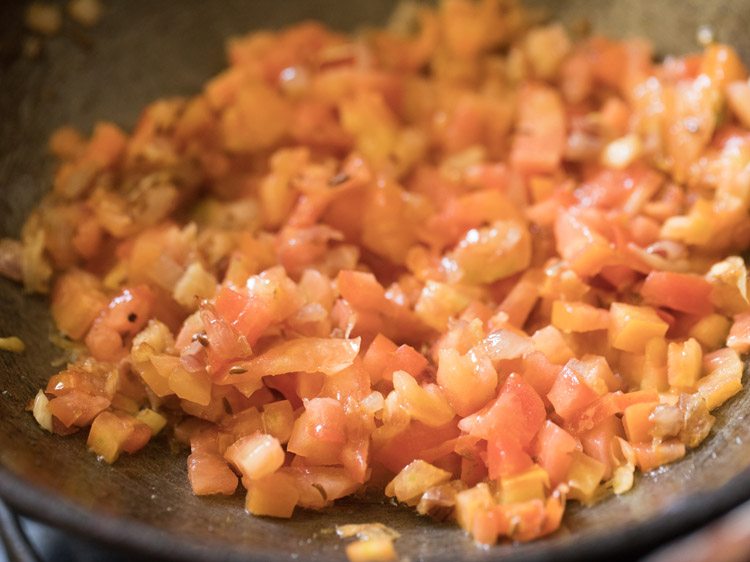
pixel 506 457
pixel 125 315
pixel 570 393
pixel 210 474
pixel 552 451
pixel 518 412
pixel 678 291
pixel 540 132
pixel 496 267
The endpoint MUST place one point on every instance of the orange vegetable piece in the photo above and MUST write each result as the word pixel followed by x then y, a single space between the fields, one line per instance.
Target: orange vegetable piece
pixel 570 393
pixel 275 495
pixel 678 291
pixel 632 326
pixel 210 474
pixel 638 426
pixel 578 317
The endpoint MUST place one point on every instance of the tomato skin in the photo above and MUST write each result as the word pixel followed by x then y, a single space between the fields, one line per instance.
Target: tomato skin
pixel 306 355
pixel 679 291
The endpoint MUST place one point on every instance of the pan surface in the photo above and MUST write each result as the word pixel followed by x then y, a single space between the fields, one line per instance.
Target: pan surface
pixel 143 50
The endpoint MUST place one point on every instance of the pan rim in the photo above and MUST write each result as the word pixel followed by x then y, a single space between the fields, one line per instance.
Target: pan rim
pixel 680 517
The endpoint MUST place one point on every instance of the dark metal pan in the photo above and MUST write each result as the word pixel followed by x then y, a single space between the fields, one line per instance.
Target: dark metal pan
pixel 143 50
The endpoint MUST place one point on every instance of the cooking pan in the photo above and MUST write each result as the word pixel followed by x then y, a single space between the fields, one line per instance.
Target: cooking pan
pixel 142 50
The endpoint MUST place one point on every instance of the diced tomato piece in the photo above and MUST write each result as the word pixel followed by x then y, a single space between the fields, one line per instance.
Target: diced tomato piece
pixel 77 408
pixel 597 442
pixel 327 420
pixel 578 317
pixel 210 474
pixel 594 414
pixel 360 289
pixel 518 412
pixel 77 300
pixel 426 403
pixel 539 372
pixel 138 438
pixel 408 444
pixel 522 298
pixel 355 457
pixel 638 425
pixel 723 380
pixel 302 443
pixel 276 495
pixel 584 476
pixel 739 333
pixel 319 486
pixel 632 326
pixel 506 457
pixel 383 357
pixel 210 440
pixel 550 341
pixel 570 394
pixel 552 451
pixel 256 456
pixel 247 422
pixel 722 64
pixel 684 364
pixel 584 249
pixel 501 345
pixel 624 400
pixel 224 342
pixel 468 381
pixel 111 434
pixel 529 516
pixel 123 318
pixel 678 291
pixel 653 455
pixel 540 132
pixel 278 419
pixel 377 356
pixel 406 358
pixel 320 432
pixel 414 480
